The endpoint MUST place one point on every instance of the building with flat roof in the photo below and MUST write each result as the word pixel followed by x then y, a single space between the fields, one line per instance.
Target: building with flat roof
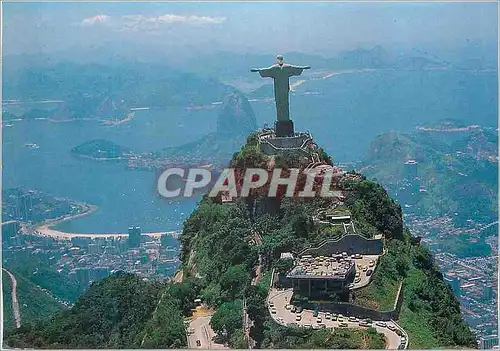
pixel 134 237
pixel 488 342
pixel 10 229
pixel 321 275
pixel 411 170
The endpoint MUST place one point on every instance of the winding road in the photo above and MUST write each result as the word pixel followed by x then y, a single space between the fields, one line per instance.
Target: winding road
pixel 15 302
pixel 284 317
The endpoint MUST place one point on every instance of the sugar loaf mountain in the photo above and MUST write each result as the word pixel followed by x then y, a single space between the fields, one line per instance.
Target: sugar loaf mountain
pixel 276 272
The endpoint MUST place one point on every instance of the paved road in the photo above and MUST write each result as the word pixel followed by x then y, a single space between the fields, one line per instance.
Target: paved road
pixel 365 280
pixel 202 331
pixel 15 302
pixel 282 298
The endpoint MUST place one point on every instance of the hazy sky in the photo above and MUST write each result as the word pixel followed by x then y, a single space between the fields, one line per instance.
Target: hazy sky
pixel 323 28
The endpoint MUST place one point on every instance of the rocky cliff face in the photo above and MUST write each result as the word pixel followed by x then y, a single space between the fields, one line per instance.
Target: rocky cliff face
pixel 236 115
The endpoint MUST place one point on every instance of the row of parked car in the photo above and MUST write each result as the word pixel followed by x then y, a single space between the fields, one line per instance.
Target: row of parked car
pixel 339 318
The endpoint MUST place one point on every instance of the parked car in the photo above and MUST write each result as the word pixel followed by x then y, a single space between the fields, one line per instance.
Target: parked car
pixel 391 327
pixel 299 309
pixel 319 320
pixel 352 319
pixel 307 326
pixel 273 310
pixel 293 309
pixel 369 272
pixel 298 317
pixel 357 280
pixel 343 325
pixel 287 306
pixel 363 324
pixel 381 324
pixel 334 317
pixel 198 343
pixel 328 316
pixel 271 304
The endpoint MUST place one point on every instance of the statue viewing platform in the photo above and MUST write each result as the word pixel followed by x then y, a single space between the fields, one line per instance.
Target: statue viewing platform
pixel 271 144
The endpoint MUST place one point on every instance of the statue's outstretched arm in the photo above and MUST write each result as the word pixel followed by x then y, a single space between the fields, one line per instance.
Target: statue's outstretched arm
pixel 296 70
pixel 264 72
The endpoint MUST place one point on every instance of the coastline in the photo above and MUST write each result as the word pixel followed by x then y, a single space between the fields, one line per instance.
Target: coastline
pixel 45 229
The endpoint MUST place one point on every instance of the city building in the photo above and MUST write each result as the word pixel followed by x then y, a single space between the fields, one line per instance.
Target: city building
pixel 488 342
pixel 9 230
pixel 99 273
pixel 487 292
pixel 410 170
pixel 454 281
pixel 321 275
pixel 94 249
pixel 134 237
pixel 83 276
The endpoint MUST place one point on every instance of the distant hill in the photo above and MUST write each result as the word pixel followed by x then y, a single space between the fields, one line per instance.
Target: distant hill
pixel 35 305
pixel 122 311
pixel 219 256
pixel 109 91
pixel 235 120
pixel 100 149
pixel 457 168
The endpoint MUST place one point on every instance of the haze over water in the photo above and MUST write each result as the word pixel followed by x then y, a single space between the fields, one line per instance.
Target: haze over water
pixel 344 115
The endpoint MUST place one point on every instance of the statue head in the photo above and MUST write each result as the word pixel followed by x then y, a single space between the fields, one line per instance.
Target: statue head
pixel 279 60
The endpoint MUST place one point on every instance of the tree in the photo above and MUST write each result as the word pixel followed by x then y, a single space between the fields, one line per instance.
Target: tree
pixel 284 265
pixel 227 319
pixel 234 281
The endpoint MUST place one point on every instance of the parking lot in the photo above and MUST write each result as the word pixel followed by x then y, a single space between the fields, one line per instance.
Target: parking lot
pixel 363 266
pixel 280 299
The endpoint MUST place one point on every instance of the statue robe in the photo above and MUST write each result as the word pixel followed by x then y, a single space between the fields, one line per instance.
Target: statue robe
pixel 281 76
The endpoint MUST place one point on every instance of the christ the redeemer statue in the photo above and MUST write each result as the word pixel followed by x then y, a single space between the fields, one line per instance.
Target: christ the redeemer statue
pixel 281 73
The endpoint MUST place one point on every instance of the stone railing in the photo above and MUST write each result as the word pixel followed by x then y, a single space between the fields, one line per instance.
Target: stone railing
pixel 349 309
pixel 350 243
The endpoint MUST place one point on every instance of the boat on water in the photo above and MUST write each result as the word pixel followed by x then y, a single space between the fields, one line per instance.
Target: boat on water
pixel 32 145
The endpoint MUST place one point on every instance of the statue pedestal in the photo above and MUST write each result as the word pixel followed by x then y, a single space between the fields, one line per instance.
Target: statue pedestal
pixel 283 128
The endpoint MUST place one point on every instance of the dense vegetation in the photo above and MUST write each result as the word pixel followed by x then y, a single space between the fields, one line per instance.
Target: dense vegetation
pixel 39 271
pixel 99 149
pixel 107 91
pixel 458 170
pixel 34 304
pixel 118 312
pixel 430 313
pixel 219 256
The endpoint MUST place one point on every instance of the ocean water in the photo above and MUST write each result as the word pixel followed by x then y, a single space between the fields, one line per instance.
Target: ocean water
pixel 344 113
pixel 125 197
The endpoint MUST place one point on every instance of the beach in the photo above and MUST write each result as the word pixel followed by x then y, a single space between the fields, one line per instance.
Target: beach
pixel 46 228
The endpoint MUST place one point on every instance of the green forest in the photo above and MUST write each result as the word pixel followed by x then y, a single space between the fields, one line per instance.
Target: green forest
pixel 219 256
